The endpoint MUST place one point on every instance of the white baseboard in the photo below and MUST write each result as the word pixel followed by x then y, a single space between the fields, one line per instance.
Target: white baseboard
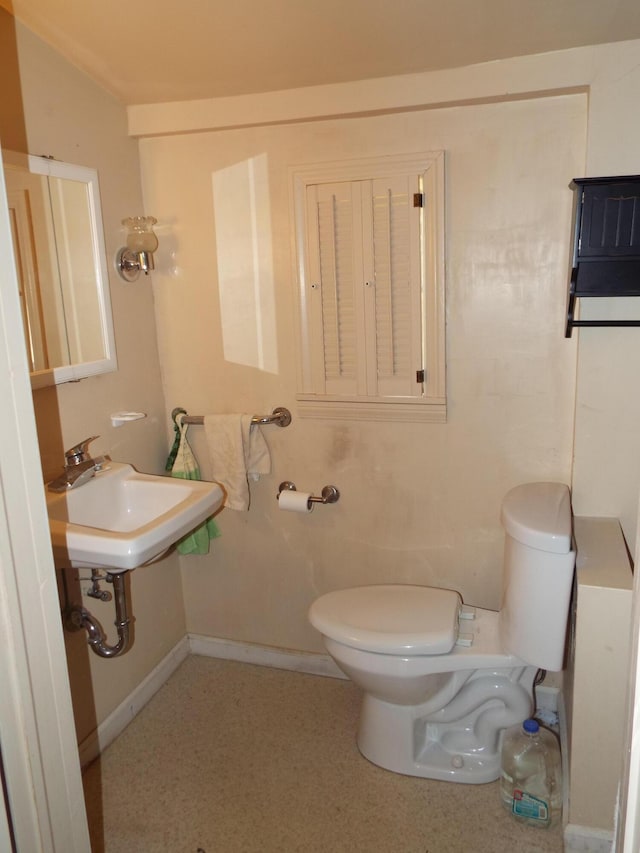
pixel 309 662
pixel 119 719
pixel 584 839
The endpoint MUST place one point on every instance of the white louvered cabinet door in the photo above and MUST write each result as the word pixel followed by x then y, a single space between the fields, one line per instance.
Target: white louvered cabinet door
pixel 370 254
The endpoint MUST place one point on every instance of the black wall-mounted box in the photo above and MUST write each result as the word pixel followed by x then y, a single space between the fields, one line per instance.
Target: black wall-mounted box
pixel 606 243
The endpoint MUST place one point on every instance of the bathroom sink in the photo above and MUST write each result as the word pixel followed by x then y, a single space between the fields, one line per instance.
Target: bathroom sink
pixel 122 519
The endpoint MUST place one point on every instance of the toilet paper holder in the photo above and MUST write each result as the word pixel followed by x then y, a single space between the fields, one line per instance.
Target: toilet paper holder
pixel 329 494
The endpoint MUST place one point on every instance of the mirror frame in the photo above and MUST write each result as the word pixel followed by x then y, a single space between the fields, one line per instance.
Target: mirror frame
pixel 49 167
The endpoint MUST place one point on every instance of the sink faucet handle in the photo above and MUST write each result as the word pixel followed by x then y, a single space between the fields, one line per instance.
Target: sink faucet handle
pixel 79 452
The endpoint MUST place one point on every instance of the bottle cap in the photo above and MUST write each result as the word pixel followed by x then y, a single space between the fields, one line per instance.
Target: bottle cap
pixel 531 726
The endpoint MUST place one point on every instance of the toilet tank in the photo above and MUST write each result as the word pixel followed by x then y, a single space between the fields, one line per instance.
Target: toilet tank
pixel 538 573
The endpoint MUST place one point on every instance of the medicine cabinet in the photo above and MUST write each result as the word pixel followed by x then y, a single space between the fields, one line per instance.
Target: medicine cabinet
pixel 58 240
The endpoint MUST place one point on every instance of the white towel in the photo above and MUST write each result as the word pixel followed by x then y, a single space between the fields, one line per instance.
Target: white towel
pixel 238 452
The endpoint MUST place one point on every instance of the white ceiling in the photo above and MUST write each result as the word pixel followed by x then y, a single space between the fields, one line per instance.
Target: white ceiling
pixel 149 51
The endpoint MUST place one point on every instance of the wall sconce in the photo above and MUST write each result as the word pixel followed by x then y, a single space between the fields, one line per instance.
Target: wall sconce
pixel 137 255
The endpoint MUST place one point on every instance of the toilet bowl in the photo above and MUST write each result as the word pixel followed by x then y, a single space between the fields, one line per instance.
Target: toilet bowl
pixel 441 680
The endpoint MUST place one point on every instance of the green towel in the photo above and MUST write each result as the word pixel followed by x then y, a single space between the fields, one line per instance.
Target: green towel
pixel 176 441
pixel 182 463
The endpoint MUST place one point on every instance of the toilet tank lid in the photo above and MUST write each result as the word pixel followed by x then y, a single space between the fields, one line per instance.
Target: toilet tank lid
pixel 539 515
pixel 390 618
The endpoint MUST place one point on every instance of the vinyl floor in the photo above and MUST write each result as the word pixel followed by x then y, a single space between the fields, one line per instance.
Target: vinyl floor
pixel 234 758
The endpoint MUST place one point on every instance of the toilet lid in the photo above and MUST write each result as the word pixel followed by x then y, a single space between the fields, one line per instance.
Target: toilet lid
pixel 390 618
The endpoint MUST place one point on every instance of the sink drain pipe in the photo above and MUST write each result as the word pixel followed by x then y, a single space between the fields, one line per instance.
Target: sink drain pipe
pixel 80 617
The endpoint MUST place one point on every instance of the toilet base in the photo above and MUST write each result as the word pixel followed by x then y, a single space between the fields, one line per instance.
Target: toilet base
pixel 459 743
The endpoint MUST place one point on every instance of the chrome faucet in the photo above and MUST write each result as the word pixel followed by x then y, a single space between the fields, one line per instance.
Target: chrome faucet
pixel 79 467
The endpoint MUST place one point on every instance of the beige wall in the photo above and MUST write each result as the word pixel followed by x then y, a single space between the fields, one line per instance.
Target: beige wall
pixel 606 463
pixel 607 443
pixel 419 502
pixel 69 117
pixel 607 458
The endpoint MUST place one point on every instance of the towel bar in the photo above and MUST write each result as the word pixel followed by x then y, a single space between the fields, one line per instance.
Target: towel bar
pixel 280 417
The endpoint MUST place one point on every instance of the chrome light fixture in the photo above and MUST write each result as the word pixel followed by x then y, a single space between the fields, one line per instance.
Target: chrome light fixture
pixel 142 242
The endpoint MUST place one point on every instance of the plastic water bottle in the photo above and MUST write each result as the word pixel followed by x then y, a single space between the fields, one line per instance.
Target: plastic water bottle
pixel 531 780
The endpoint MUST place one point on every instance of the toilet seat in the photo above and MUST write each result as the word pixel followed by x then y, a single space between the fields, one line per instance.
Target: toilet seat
pixel 390 618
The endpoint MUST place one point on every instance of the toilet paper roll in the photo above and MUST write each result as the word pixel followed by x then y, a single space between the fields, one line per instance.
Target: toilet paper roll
pixel 293 501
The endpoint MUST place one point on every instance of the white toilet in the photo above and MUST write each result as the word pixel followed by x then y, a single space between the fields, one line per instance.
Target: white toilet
pixel 442 680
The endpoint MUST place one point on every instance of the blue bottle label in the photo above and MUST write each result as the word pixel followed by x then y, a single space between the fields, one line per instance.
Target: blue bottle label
pixel 527 806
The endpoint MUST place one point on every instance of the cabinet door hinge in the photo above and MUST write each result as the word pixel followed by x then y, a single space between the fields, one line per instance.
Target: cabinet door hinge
pixel 418 199
pixel 420 377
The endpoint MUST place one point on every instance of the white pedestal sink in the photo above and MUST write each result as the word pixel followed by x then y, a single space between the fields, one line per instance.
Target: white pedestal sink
pixel 122 519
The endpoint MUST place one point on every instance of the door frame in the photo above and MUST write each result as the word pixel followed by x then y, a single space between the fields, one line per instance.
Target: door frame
pixel 45 800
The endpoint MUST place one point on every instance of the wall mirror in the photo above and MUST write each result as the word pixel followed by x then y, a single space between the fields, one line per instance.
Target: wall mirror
pixel 58 239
